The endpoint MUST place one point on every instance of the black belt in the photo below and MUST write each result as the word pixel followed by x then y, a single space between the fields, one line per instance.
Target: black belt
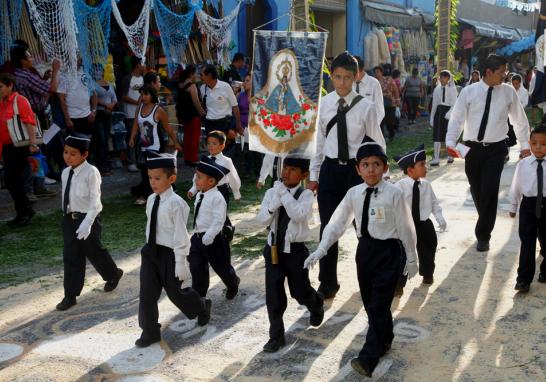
pixel 75 215
pixel 482 144
pixel 340 162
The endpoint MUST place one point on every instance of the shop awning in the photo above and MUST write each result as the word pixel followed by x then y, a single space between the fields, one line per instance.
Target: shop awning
pixel 396 16
pixel 492 30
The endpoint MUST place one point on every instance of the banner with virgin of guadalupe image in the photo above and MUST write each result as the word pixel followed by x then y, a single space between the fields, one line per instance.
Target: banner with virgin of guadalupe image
pixel 286 87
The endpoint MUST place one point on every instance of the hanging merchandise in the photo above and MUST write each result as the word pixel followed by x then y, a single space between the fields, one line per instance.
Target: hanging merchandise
pixel 10 15
pixel 218 32
pixel 384 55
pixel 136 33
pixel 55 25
pixel 174 31
pixel 371 54
pixel 93 34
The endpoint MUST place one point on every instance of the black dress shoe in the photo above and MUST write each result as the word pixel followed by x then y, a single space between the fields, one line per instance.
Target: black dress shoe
pixel 482 246
pixel 328 293
pixel 274 344
pixel 315 319
pixel 428 280
pixel 522 287
pixel 145 342
pixel 361 367
pixel 112 284
pixel 541 278
pixel 232 292
pixel 66 303
pixel 204 317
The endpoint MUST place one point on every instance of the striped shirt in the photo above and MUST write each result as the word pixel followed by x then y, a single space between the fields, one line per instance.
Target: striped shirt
pixel 33 87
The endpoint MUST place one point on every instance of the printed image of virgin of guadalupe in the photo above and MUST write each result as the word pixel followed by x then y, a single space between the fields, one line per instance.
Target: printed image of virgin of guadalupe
pixel 281 100
pixel 147 134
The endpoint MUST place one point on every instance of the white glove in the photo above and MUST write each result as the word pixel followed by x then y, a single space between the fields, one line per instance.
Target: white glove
pixel 279 188
pixel 84 230
pixel 207 240
pixel 410 269
pixel 182 270
pixel 274 203
pixel 310 262
pixel 442 223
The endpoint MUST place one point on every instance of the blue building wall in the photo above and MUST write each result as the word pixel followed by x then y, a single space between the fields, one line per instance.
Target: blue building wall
pixel 357 26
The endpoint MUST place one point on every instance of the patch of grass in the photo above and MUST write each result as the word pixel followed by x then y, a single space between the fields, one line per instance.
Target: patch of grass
pixel 407 141
pixel 34 250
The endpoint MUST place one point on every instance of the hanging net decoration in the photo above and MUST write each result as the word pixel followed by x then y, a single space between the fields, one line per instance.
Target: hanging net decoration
pixel 55 25
pixel 10 14
pixel 174 30
pixel 93 33
pixel 136 33
pixel 218 32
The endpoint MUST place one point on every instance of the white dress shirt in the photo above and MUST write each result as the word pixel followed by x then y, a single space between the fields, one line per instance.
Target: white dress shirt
pixel 370 88
pixel 428 203
pixel 212 214
pixel 172 218
pixel 524 182
pixel 298 211
pixel 232 178
pixel 220 100
pixel 523 96
pixel 468 112
pixel 84 196
pixel 267 168
pixel 389 217
pixel 361 121
pixel 450 99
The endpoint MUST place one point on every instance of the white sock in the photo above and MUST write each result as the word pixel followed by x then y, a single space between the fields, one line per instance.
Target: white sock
pixel 437 147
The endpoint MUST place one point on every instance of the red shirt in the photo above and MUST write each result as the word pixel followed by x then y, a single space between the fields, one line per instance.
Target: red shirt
pixel 6 113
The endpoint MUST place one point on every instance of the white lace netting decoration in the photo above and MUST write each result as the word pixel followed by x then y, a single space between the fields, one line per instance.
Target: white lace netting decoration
pixel 137 33
pixel 54 21
pixel 218 32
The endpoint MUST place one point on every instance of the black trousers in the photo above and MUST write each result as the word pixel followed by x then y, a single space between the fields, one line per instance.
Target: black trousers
pixel 427 242
pixel 143 189
pixel 483 167
pixel 389 121
pixel 103 125
pixel 529 229
pixel 217 255
pixel 290 267
pixel 439 129
pixel 15 163
pixel 76 251
pixel 334 182
pixel 413 102
pixel 378 271
pixel 157 273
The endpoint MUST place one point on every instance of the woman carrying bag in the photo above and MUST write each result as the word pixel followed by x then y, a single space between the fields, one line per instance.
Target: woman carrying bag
pixel 15 158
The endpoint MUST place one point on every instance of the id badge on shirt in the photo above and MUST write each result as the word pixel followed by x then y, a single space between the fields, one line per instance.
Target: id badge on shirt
pixel 377 214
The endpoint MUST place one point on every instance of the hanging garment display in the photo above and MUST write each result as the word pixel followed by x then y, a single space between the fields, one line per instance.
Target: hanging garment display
pixel 384 54
pixel 371 54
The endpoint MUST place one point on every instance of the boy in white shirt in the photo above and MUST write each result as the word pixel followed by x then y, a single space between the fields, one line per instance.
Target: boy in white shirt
pixel 421 199
pixel 286 209
pixel 384 226
pixel 208 244
pixel 443 99
pixel 527 190
pixel 164 256
pixel 81 223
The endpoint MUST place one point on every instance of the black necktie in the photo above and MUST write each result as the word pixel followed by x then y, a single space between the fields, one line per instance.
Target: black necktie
pixel 415 213
pixel 213 158
pixel 153 223
pixel 365 217
pixel 358 87
pixel 443 94
pixel 197 206
pixel 540 183
pixel 66 199
pixel 483 124
pixel 282 226
pixel 342 145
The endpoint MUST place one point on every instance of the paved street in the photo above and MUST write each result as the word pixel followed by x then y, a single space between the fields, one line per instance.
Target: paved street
pixel 469 326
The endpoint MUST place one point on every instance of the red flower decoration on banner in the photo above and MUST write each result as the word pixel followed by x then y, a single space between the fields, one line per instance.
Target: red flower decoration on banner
pixel 306 106
pixel 282 122
pixel 267 122
pixel 261 101
pixel 296 117
pixel 263 112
